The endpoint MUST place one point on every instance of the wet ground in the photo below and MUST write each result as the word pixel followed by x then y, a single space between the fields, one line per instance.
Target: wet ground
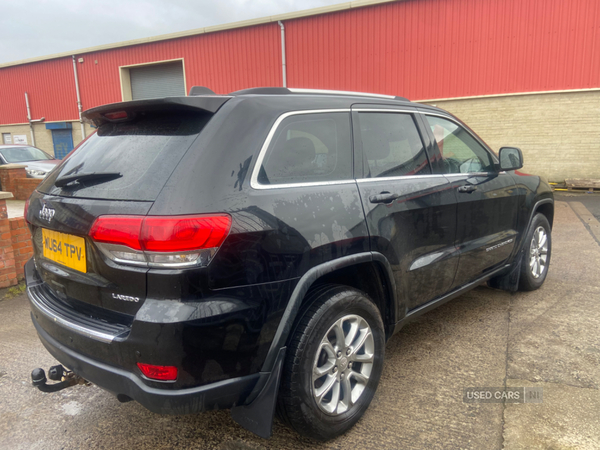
pixel 548 339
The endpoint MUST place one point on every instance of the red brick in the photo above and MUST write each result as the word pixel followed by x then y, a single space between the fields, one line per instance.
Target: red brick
pixel 19 231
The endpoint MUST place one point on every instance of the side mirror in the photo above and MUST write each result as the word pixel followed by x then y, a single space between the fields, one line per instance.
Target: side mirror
pixel 511 158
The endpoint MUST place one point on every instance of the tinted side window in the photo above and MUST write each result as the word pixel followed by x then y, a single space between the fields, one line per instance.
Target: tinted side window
pixel 391 145
pixel 309 148
pixel 460 151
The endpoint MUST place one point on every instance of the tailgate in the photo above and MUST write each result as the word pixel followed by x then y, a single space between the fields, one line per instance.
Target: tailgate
pixel 69 263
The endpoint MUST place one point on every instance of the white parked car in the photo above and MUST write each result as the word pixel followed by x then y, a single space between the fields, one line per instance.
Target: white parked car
pixel 38 162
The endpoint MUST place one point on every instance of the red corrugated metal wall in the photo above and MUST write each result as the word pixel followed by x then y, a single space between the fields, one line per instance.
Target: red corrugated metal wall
pixel 224 61
pixel 421 49
pixel 51 88
pixel 426 49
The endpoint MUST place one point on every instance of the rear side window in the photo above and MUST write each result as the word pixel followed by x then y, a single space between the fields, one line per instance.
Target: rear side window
pixel 391 145
pixel 144 151
pixel 309 148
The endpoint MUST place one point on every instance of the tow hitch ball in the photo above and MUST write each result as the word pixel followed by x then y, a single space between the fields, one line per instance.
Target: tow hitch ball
pixel 58 373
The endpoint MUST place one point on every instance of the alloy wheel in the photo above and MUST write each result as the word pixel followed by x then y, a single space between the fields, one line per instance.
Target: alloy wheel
pixel 343 364
pixel 538 252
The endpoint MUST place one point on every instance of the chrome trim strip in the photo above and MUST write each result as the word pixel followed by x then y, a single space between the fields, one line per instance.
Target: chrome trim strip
pixel 471 174
pixel 104 337
pixel 410 111
pixel 254 184
pixel 315 183
pixel 400 178
pixel 326 91
pixel 107 248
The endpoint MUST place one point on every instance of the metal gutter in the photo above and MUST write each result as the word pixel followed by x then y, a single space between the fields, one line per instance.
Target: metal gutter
pixel 283 69
pixel 78 98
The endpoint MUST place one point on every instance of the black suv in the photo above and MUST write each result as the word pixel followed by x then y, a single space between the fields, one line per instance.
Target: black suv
pixel 256 250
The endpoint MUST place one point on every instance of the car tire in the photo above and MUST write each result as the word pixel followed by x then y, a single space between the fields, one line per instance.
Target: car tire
pixel 326 385
pixel 537 250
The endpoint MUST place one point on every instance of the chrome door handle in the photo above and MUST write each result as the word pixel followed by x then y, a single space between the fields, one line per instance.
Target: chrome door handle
pixel 383 197
pixel 468 189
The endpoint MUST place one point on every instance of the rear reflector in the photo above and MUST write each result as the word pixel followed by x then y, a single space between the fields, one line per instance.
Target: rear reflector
pixel 169 241
pixel 162 373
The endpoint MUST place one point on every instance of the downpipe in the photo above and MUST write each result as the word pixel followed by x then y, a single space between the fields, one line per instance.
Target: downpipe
pixel 79 107
pixel 283 67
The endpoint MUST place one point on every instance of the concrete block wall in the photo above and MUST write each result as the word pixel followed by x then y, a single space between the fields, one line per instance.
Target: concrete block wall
pixel 559 133
pixel 43 137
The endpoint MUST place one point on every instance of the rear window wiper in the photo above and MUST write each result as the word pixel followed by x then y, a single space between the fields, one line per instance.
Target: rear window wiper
pixel 93 176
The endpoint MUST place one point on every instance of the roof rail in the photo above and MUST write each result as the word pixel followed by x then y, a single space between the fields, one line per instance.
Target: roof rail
pixel 357 94
pixel 262 91
pixel 285 91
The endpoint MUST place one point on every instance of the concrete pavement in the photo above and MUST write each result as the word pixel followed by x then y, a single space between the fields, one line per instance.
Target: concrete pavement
pixel 548 338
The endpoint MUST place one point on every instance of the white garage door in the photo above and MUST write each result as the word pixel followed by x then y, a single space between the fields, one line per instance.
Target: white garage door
pixel 157 80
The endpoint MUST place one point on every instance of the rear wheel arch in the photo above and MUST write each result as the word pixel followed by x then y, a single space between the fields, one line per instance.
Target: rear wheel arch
pixel 374 280
pixel 326 274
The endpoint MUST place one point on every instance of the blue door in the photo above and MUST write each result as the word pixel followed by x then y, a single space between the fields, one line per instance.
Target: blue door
pixel 63 142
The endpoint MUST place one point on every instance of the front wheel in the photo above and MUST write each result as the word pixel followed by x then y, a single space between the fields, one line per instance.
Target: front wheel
pixel 333 364
pixel 536 255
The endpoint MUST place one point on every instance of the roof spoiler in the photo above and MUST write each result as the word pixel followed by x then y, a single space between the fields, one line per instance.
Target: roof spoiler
pixel 97 116
pixel 201 90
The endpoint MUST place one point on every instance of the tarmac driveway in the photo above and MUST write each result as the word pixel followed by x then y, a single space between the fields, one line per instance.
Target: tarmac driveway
pixel 548 339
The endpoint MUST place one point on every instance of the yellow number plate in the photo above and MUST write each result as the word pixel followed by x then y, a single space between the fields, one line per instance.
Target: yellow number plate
pixel 64 249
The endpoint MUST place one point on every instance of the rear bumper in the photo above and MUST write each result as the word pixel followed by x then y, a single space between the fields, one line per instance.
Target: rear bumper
pixel 220 395
pixel 215 372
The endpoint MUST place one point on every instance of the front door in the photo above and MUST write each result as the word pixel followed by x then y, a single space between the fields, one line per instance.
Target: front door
pixel 411 212
pixel 486 199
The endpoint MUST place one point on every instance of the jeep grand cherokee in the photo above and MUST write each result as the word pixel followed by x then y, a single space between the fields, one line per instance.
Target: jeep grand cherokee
pixel 256 250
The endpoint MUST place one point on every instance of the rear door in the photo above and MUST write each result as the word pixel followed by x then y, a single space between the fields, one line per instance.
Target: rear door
pixel 486 198
pixel 411 212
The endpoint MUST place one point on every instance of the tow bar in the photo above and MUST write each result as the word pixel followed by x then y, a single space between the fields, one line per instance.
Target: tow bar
pixel 65 379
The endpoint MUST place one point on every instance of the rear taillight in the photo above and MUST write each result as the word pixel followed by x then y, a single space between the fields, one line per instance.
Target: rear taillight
pixel 161 373
pixel 161 241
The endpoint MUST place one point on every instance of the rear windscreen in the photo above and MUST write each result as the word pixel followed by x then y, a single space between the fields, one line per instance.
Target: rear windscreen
pixel 141 153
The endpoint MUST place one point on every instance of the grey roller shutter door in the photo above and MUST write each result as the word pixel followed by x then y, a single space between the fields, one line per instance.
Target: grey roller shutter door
pixel 157 80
